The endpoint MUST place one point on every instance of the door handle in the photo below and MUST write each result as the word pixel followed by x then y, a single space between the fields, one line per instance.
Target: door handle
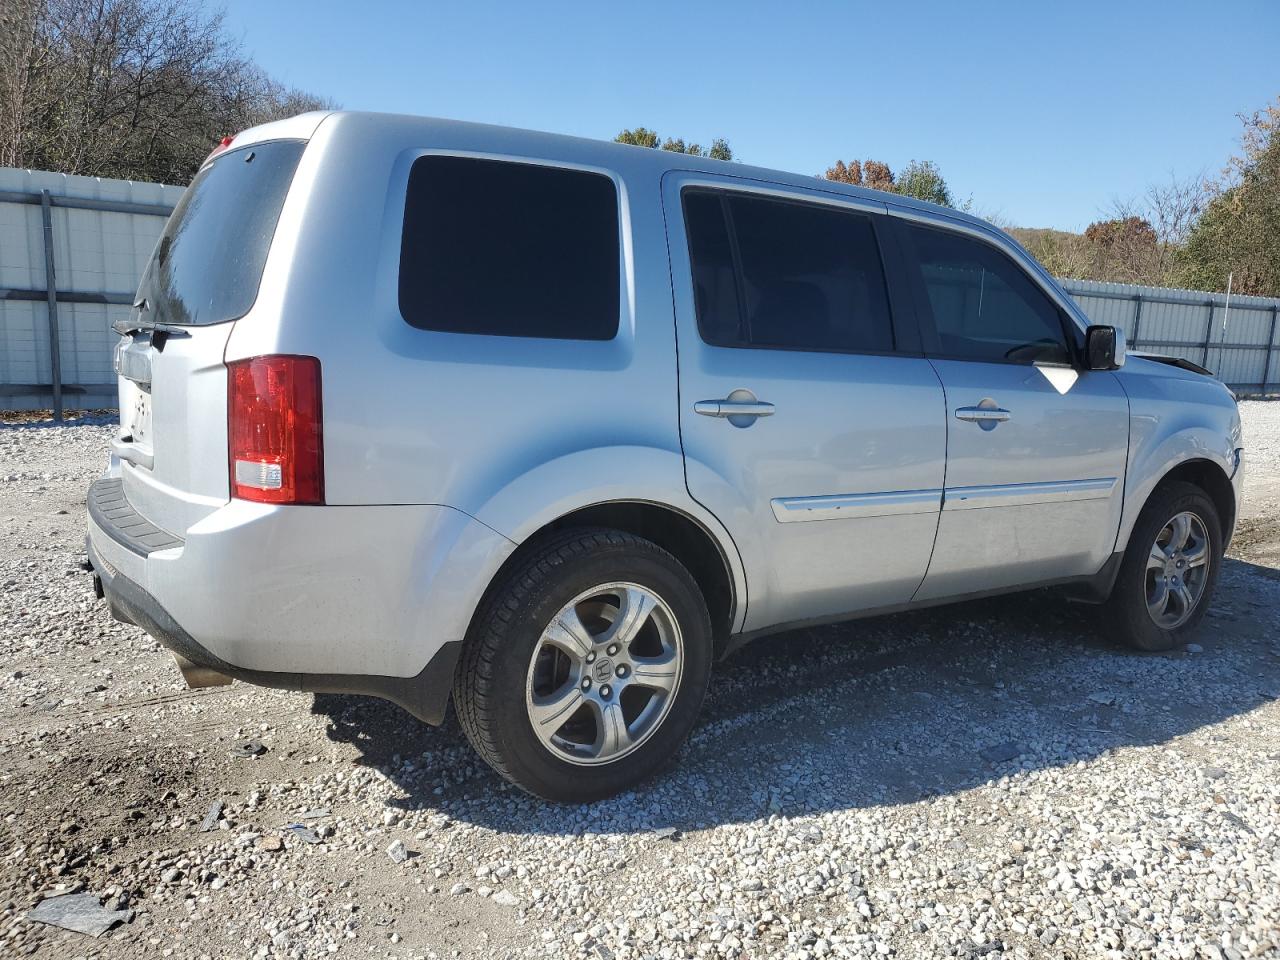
pixel 733 408
pixel 126 451
pixel 982 415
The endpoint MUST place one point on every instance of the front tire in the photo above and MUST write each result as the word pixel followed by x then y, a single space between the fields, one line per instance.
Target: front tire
pixel 585 666
pixel 1169 569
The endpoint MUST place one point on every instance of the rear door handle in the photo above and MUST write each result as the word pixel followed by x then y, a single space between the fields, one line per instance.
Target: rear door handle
pixel 125 450
pixel 982 414
pixel 733 408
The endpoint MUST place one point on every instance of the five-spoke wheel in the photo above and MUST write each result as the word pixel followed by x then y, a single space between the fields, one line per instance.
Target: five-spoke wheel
pixel 604 673
pixel 1177 570
pixel 1169 568
pixel 586 665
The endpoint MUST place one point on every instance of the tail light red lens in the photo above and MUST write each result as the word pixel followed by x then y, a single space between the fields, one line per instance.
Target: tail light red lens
pixel 274 430
pixel 223 144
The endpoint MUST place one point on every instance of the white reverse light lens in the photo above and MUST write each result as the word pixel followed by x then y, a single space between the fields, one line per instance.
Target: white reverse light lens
pixel 264 476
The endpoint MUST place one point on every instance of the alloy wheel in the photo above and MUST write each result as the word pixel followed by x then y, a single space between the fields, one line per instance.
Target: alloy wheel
pixel 1177 570
pixel 604 673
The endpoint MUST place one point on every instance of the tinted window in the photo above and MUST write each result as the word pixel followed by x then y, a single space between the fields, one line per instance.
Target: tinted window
pixel 510 249
pixel 208 263
pixel 715 285
pixel 984 306
pixel 803 276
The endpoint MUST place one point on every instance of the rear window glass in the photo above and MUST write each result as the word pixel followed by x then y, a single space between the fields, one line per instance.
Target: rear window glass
pixel 208 263
pixel 786 275
pixel 510 249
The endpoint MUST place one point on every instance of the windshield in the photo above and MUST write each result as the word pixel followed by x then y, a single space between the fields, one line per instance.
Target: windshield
pixel 208 263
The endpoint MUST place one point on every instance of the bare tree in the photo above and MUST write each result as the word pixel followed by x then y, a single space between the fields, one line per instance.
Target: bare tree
pixel 17 42
pixel 1170 209
pixel 1062 253
pixel 139 89
pixel 846 173
pixel 862 173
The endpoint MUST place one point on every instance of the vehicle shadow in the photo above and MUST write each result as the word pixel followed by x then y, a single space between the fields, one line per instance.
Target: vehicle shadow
pixel 891 710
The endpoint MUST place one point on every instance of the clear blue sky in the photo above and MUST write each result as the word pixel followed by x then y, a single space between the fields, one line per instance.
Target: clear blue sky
pixel 1043 112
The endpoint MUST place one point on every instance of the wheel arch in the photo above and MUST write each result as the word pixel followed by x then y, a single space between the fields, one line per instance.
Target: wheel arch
pixel 1210 476
pixel 1213 480
pixel 686 537
pixel 638 488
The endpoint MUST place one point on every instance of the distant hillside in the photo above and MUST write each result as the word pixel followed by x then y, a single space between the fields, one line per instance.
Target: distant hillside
pixel 1029 235
pixel 1063 254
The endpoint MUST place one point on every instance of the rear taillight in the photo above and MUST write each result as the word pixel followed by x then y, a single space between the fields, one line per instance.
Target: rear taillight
pixel 274 429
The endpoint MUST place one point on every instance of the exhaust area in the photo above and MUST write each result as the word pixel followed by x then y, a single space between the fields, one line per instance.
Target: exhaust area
pixel 198 676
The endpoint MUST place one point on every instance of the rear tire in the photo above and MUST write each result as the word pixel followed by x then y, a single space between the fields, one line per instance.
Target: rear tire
pixel 1169 570
pixel 585 666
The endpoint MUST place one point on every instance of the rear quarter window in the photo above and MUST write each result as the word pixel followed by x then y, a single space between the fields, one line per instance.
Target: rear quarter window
pixel 510 249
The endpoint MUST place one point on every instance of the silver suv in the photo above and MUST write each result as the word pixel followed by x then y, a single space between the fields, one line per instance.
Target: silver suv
pixel 424 409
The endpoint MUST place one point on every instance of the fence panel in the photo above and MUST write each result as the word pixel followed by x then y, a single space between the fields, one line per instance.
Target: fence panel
pixel 1237 340
pixel 97 235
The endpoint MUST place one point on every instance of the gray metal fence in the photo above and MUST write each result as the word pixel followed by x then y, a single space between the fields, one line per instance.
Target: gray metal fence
pixel 72 249
pixel 1236 339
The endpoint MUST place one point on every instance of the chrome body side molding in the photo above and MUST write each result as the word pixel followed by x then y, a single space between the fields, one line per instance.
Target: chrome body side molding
pixel 1017 494
pixel 900 502
pixel 845 506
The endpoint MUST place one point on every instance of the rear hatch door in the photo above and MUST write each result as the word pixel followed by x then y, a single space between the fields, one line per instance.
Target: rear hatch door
pixel 202 278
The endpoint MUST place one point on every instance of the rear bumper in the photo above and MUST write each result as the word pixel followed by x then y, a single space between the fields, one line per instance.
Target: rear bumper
pixel 371 600
pixel 426 695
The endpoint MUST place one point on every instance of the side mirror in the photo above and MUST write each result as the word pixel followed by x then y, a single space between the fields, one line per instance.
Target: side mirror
pixel 1104 348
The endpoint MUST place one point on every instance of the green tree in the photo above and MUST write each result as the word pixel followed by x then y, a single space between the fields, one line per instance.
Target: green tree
pixel 923 180
pixel 639 137
pixel 644 137
pixel 720 149
pixel 1239 231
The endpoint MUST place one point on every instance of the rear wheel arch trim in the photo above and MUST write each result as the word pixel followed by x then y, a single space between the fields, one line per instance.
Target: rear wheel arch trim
pixel 719 540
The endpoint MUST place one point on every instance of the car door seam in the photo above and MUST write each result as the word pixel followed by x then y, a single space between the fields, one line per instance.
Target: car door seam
pixel 946 465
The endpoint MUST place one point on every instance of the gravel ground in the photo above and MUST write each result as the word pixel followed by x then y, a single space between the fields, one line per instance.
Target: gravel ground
pixel 987 779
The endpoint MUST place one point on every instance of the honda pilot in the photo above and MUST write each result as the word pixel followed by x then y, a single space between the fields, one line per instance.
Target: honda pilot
pixel 545 427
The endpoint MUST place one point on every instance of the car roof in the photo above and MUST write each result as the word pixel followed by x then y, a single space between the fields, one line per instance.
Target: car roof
pixel 536 142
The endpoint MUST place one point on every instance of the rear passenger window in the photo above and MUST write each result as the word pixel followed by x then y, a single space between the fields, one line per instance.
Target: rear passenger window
pixel 510 249
pixel 984 306
pixel 786 274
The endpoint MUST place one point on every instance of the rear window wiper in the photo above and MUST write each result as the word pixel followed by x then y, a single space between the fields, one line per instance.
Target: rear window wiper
pixel 126 327
pixel 136 323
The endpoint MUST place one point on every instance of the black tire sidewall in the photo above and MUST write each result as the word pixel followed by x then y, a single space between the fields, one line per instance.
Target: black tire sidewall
pixel 1128 603
pixel 527 760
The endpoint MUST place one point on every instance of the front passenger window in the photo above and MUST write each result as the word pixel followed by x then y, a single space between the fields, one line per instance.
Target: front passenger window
pixel 984 306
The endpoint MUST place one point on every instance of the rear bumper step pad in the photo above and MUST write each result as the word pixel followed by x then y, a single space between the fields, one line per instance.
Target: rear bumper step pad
pixel 123 524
